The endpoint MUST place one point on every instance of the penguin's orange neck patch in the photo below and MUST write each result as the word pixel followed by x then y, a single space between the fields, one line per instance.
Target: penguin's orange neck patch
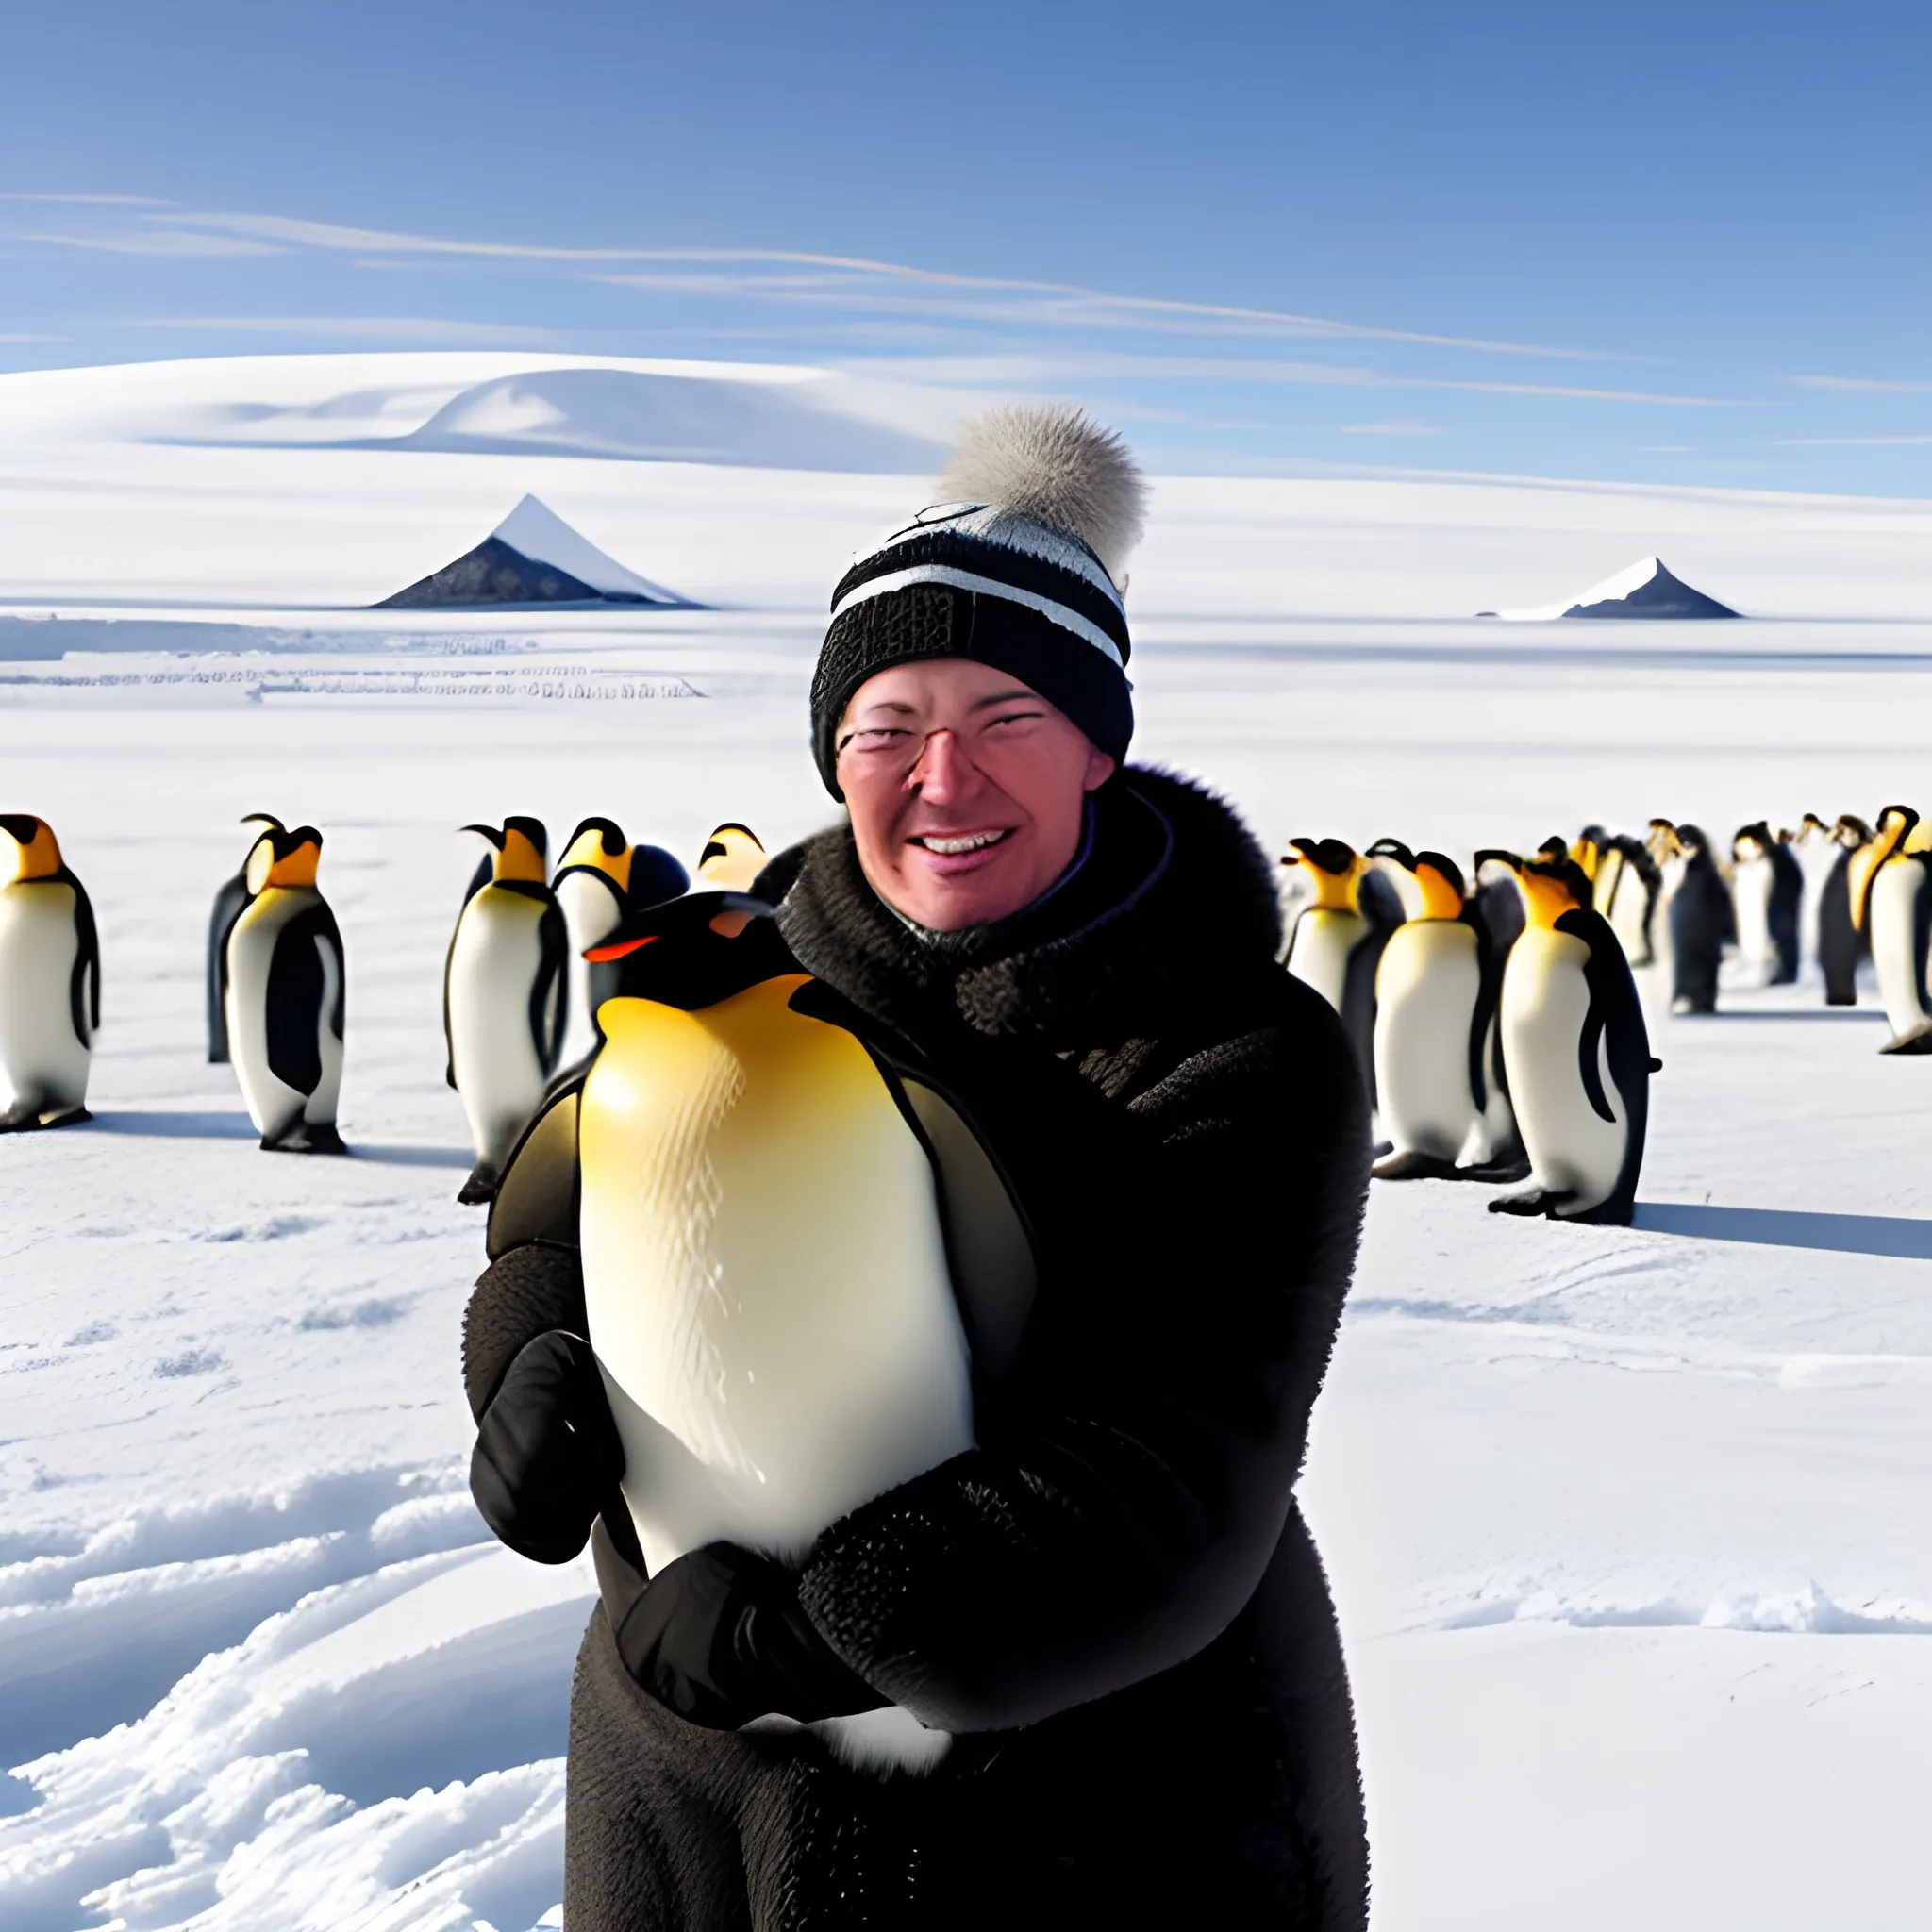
pixel 1334 891
pixel 1544 899
pixel 37 858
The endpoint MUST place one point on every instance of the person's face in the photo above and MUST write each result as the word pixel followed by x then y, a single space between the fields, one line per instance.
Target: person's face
pixel 966 790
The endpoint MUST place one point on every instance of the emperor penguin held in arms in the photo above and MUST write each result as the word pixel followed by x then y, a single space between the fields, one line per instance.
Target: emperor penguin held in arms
pixel 50 983
pixel 1574 1046
pixel 797 1253
pixel 1443 1108
pixel 1890 885
pixel 599 878
pixel 233 895
pixel 285 1002
pixel 506 995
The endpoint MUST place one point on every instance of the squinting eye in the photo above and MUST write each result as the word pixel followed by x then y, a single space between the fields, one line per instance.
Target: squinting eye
pixel 878 738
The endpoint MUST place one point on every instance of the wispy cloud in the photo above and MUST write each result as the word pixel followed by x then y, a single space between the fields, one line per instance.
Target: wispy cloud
pixel 437 331
pixel 152 242
pixel 89 200
pixel 1103 366
pixel 1844 441
pixel 1391 429
pixel 1861 382
pixel 832 278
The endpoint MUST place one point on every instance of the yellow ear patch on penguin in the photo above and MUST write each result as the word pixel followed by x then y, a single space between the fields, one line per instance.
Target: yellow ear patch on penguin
pixel 37 853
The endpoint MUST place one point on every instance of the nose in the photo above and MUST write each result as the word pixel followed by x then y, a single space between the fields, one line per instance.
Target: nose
pixel 943 773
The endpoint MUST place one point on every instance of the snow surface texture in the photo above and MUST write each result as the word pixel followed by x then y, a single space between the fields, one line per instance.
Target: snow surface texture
pixel 1629 1528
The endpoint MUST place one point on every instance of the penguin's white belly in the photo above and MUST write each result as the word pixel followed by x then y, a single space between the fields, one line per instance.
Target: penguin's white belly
pixel 1751 899
pixel 494 960
pixel 1426 986
pixel 1545 1001
pixel 1894 949
pixel 1629 900
pixel 764 1274
pixel 272 1104
pixel 1318 956
pixel 40 1056
pixel 591 912
pixel 1817 863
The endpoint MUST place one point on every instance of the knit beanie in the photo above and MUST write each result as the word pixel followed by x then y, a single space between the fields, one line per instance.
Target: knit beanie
pixel 1021 568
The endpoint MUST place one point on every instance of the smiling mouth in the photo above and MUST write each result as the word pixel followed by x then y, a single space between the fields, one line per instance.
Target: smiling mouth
pixel 958 847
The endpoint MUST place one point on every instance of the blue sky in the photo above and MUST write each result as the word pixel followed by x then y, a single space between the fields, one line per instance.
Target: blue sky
pixel 1682 244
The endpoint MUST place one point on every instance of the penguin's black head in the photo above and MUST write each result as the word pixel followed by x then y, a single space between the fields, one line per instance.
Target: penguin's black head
pixel 695 951
pixel 1431 883
pixel 38 850
pixel 1552 883
pixel 1851 832
pixel 282 858
pixel 732 858
pixel 606 834
pixel 1332 855
pixel 1758 833
pixel 521 846
pixel 655 876
pixel 1692 842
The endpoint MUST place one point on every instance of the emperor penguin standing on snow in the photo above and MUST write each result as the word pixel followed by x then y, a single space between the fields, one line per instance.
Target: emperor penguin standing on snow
pixel 230 900
pixel 506 995
pixel 1842 943
pixel 286 997
pixel 599 878
pixel 1442 1108
pixel 1891 899
pixel 1337 945
pixel 1575 1044
pixel 50 983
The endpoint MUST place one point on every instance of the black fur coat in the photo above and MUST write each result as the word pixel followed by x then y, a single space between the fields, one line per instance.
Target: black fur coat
pixel 1111 1602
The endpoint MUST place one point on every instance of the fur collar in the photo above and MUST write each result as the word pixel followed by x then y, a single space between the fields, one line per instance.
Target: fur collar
pixel 1173 907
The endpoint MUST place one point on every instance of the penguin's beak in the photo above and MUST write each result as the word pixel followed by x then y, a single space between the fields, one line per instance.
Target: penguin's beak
pixel 494 833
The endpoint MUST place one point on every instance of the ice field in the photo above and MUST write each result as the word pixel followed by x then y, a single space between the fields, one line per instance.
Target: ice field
pixel 1631 1530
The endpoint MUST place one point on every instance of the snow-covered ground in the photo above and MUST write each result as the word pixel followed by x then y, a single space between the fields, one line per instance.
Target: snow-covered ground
pixel 1631 1530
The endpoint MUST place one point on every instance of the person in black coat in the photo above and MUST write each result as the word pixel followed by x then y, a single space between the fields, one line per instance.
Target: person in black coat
pixel 1110 1602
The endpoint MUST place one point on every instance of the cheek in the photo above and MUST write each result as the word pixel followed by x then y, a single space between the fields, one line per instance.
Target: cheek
pixel 873 827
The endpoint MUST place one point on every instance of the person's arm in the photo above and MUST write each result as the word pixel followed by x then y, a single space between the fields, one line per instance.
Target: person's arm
pixel 1122 1513
pixel 547 1459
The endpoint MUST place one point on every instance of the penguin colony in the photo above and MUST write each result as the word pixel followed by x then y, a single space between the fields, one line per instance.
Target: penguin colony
pixel 1494 1011
pixel 1495 1015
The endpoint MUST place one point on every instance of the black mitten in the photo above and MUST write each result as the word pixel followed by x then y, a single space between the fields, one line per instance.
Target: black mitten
pixel 720 1638
pixel 547 1456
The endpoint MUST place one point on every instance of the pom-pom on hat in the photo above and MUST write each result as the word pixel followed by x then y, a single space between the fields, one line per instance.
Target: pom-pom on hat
pixel 1023 568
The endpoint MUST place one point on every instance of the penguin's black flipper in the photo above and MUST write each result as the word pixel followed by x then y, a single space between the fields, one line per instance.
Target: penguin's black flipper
pixel 550 992
pixel 536 1196
pixel 1616 1020
pixel 293 1004
pixel 231 902
pixel 84 992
